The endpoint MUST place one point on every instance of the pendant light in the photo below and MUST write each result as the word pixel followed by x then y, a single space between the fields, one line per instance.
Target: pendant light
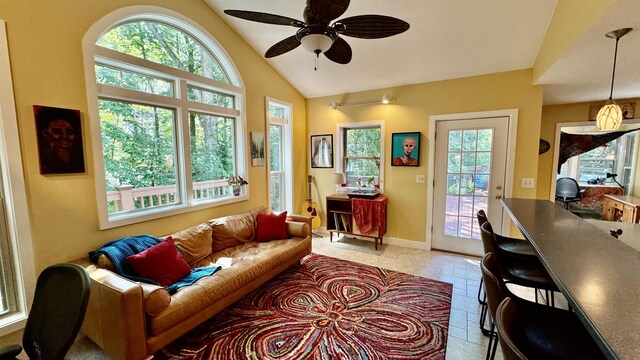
pixel 610 115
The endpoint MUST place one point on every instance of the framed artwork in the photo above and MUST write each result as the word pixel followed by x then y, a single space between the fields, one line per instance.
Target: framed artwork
pixel 257 148
pixel 322 151
pixel 405 149
pixel 628 110
pixel 59 133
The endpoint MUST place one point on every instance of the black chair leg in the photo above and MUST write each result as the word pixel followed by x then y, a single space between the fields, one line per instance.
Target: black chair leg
pixel 484 310
pixel 482 302
pixel 493 343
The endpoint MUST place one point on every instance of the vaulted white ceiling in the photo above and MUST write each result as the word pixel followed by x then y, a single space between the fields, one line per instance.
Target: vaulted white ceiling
pixel 452 39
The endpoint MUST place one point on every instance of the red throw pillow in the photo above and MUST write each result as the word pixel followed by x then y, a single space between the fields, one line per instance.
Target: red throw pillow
pixel 161 263
pixel 272 226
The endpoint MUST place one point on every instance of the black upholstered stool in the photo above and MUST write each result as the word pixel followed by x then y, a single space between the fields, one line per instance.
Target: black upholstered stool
pixel 514 247
pixel 531 331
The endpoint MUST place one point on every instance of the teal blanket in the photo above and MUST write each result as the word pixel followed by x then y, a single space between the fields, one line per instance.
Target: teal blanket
pixel 118 250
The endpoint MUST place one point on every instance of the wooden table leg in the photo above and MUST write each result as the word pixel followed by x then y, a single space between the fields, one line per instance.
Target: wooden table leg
pixel 330 236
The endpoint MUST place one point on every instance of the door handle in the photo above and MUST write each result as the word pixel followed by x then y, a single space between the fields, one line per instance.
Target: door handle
pixel 498 197
pixel 499 187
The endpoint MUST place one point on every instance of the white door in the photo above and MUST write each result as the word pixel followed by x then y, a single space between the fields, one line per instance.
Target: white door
pixel 470 168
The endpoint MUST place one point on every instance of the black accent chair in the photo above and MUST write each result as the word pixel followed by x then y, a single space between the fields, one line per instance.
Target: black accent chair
pixel 59 305
pixel 568 191
pixel 532 331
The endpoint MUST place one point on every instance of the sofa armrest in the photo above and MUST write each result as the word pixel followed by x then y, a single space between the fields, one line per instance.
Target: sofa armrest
pixel 299 225
pixel 115 316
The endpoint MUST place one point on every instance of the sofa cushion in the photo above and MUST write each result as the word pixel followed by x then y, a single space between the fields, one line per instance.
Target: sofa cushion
pixel 161 263
pixel 232 231
pixel 271 226
pixel 246 263
pixel 194 243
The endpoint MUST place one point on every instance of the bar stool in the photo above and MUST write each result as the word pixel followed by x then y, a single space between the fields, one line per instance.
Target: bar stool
pixel 540 332
pixel 532 331
pixel 517 270
pixel 515 247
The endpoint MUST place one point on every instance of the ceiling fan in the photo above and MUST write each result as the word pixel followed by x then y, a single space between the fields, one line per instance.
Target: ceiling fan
pixel 318 36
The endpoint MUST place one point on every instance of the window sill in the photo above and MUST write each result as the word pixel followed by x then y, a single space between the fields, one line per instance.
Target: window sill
pixel 12 323
pixel 124 219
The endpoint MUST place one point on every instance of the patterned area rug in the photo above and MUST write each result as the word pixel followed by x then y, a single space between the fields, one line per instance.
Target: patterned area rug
pixel 326 308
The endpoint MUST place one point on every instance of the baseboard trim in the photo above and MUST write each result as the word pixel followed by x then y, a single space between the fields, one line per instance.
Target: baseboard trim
pixel 387 240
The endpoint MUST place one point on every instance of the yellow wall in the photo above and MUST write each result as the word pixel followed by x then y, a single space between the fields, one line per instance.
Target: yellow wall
pixel 407 209
pixel 554 114
pixel 45 40
pixel 571 18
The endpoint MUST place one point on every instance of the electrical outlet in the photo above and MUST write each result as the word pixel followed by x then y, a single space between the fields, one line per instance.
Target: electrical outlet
pixel 420 179
pixel 528 183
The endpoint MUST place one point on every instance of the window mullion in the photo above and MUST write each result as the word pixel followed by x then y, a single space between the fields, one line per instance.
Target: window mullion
pixel 119 59
pixel 184 145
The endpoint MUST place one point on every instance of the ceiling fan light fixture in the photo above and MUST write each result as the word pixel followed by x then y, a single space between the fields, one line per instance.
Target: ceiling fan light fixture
pixel 316 43
pixel 610 115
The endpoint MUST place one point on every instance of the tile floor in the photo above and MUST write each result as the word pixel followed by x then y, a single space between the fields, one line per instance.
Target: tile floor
pixel 465 342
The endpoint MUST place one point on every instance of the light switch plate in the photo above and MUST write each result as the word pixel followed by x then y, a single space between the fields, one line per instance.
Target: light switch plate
pixel 528 183
pixel 420 179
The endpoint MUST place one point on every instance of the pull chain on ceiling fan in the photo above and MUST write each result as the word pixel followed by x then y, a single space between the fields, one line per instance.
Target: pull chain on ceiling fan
pixel 316 34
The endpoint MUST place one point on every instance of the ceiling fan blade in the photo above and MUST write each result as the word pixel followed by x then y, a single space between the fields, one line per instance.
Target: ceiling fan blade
pixel 264 17
pixel 323 11
pixel 372 26
pixel 339 52
pixel 282 47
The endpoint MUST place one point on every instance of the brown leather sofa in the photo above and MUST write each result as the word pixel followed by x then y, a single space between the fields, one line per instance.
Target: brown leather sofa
pixel 133 320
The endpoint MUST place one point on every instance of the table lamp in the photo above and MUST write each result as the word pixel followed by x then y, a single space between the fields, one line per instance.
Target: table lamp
pixel 338 179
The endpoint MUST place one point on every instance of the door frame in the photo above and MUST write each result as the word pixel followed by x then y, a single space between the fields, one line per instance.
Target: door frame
pixel 512 115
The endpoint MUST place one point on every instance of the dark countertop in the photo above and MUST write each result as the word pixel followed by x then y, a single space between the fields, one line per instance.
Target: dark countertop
pixel 599 275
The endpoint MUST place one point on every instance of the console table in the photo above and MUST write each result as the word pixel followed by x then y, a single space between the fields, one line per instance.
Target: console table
pixel 621 208
pixel 340 217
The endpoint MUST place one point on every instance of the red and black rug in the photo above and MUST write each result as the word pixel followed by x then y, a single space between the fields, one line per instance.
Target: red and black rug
pixel 326 308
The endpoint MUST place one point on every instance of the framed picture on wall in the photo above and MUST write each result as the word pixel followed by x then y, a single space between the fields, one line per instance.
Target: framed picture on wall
pixel 322 151
pixel 257 148
pixel 59 133
pixel 405 149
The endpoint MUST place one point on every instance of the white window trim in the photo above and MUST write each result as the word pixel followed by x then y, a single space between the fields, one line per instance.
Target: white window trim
pixel 339 151
pixel 287 147
pixel 92 52
pixel 18 225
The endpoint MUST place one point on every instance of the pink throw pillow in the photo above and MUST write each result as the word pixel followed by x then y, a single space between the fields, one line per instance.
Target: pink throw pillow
pixel 272 226
pixel 161 263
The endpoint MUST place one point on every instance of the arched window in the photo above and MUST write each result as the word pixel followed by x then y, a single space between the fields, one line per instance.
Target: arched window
pixel 168 102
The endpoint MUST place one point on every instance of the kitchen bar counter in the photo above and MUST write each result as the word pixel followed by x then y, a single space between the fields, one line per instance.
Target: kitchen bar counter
pixel 598 274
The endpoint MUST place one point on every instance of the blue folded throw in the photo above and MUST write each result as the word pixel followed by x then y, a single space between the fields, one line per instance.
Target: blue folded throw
pixel 118 250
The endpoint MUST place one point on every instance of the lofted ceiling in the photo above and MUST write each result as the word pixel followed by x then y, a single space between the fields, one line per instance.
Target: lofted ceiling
pixel 453 39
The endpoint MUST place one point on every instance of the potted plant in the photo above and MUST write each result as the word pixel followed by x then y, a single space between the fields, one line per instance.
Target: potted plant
pixel 236 182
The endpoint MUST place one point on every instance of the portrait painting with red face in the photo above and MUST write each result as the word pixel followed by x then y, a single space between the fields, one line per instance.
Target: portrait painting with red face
pixel 59 140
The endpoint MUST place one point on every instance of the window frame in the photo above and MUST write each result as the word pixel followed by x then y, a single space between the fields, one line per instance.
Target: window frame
pixel 286 125
pixel 573 163
pixel 17 243
pixel 95 54
pixel 341 138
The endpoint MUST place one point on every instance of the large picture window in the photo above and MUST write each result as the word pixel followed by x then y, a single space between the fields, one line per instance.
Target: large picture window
pixel 170 120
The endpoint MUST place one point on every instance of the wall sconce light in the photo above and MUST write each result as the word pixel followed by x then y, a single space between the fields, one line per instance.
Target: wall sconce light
pixel 386 99
pixel 610 115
